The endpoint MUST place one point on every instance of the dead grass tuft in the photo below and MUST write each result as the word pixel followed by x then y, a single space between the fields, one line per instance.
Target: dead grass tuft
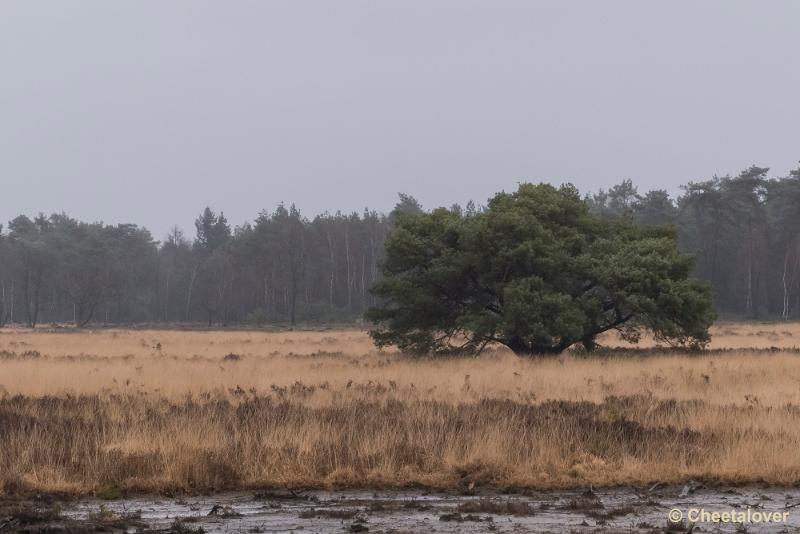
pixel 110 412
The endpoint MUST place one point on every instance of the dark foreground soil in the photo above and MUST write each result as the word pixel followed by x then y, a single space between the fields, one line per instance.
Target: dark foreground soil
pixel 601 511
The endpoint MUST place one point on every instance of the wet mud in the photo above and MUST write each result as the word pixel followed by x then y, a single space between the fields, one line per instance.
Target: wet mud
pixel 408 511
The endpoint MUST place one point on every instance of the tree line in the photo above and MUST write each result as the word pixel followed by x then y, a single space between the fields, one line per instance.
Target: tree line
pixel 743 232
pixel 282 268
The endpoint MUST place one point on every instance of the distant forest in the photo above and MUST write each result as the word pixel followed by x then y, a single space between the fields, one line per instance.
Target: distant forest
pixel 284 268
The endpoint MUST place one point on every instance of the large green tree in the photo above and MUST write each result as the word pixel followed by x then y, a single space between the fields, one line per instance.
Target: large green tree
pixel 537 272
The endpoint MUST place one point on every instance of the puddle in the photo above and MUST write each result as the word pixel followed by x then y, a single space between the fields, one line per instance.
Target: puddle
pixel 612 510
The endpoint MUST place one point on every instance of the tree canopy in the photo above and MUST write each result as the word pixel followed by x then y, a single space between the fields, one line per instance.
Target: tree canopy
pixel 536 271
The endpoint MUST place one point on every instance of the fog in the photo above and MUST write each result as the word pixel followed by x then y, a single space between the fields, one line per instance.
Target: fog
pixel 148 111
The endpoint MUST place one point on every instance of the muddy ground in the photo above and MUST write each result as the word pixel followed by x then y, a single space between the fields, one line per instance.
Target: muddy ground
pixel 600 511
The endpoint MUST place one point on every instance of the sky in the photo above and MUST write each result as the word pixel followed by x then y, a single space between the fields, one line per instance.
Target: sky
pixel 147 111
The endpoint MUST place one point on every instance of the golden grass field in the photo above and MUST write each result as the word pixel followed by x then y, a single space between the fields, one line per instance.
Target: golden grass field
pixel 162 410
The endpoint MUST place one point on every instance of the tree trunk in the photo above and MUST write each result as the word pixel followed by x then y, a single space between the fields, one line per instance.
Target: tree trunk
pixel 189 293
pixel 349 277
pixel 3 304
pixel 518 346
pixel 589 344
pixel 785 311
pixel 166 300
pixel 11 310
pixel 293 302
pixel 332 279
pixel 34 315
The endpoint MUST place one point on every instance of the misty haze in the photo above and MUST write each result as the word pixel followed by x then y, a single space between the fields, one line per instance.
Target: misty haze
pixel 448 266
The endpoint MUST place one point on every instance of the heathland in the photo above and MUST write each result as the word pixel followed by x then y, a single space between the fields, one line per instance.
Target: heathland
pixel 110 411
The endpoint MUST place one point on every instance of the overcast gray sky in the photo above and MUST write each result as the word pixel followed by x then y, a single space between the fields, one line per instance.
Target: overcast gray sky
pixel 146 111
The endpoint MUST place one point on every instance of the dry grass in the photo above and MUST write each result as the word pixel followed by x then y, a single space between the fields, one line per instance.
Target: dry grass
pixel 168 410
